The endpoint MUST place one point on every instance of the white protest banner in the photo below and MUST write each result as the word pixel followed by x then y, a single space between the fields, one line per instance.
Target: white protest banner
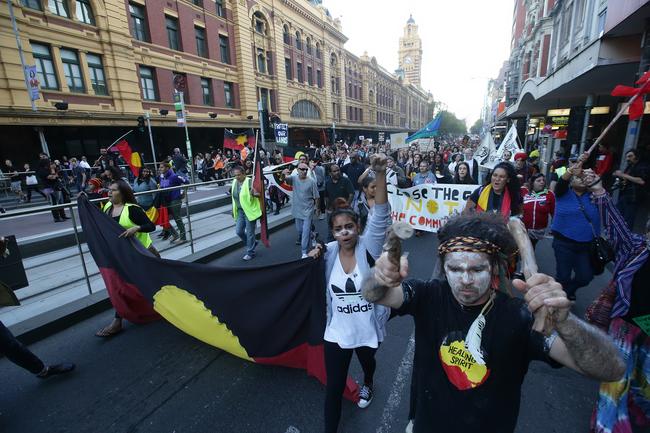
pixel 485 149
pixel 428 207
pixel 510 143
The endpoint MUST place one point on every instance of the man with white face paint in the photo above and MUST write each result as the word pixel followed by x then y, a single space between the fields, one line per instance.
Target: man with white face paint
pixel 474 342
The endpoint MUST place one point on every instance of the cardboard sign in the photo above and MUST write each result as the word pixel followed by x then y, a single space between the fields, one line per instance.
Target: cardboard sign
pixel 428 207
pixel 282 133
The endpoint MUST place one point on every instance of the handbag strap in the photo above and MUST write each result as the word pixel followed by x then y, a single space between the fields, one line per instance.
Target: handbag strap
pixel 584 212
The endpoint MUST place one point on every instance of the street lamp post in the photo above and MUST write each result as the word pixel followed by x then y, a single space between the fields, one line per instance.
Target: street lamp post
pixel 260 109
pixel 44 147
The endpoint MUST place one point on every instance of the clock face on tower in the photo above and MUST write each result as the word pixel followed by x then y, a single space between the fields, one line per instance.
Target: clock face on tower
pixel 408 60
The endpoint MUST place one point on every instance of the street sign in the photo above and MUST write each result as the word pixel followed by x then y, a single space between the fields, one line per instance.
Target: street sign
pixel 179 106
pixel 282 133
pixel 32 79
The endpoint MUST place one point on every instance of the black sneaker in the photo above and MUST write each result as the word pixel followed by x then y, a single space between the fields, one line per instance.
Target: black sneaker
pixel 53 370
pixel 365 397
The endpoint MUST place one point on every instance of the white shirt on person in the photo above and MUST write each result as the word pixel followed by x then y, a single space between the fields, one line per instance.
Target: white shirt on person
pixel 353 320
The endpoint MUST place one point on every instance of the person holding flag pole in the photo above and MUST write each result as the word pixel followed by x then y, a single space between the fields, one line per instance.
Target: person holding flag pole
pixel 246 205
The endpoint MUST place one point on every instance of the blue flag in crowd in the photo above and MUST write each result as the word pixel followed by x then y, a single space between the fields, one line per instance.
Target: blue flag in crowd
pixel 429 131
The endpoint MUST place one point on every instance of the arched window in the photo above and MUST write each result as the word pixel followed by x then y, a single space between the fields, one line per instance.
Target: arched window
pixel 333 61
pixel 260 24
pixel 298 41
pixel 305 109
pixel 308 45
pixel 318 53
pixel 286 35
pixel 84 12
pixel 261 61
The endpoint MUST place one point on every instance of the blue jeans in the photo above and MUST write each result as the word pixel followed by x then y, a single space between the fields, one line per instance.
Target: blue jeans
pixel 572 257
pixel 246 231
pixel 303 226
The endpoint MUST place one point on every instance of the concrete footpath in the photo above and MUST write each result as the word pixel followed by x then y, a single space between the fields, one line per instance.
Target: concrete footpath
pixel 58 291
pixel 37 233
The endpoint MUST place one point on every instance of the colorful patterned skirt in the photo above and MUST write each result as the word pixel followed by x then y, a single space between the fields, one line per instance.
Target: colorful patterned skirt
pixel 625 404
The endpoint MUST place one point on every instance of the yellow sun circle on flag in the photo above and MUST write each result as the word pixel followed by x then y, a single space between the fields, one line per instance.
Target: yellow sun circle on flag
pixel 432 206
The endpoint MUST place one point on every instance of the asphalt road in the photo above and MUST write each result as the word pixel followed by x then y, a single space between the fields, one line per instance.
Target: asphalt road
pixel 156 379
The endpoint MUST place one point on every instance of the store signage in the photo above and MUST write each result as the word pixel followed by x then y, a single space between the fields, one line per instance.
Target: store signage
pixel 560 121
pixel 558 112
pixel 567 111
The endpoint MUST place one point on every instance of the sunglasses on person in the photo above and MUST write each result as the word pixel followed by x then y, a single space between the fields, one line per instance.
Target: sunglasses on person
pixel 302 169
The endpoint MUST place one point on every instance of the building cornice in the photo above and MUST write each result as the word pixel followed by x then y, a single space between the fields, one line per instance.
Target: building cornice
pixel 315 19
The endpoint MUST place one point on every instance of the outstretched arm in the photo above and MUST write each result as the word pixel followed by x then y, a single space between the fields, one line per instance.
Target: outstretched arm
pixel 384 284
pixel 579 346
pixel 587 350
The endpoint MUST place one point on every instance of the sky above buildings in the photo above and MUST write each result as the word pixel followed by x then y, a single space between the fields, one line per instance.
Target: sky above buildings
pixel 464 42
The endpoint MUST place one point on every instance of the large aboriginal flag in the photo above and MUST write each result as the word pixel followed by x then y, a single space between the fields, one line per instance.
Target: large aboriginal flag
pixel 268 314
pixel 236 141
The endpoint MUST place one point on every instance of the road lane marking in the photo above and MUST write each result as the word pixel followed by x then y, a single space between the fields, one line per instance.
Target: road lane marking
pixel 395 396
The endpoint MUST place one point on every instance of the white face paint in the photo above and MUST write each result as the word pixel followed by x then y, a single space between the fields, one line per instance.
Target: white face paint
pixel 469 275
pixel 345 231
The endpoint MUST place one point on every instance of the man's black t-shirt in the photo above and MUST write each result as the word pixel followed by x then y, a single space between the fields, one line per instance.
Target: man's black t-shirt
pixel 453 393
pixel 342 188
pixel 11 172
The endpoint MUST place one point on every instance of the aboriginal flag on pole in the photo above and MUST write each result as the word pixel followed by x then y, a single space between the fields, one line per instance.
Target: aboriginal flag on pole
pixel 236 141
pixel 258 185
pixel 268 314
pixel 132 158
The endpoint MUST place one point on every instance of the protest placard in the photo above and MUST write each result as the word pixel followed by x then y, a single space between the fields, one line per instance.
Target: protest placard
pixel 428 207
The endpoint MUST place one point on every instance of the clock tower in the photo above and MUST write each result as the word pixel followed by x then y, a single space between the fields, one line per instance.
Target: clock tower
pixel 410 53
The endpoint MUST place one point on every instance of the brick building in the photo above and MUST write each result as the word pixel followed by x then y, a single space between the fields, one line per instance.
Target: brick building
pixel 114 60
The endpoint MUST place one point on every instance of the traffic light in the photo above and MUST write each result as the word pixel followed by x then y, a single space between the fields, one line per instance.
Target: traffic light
pixel 141 124
pixel 267 128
